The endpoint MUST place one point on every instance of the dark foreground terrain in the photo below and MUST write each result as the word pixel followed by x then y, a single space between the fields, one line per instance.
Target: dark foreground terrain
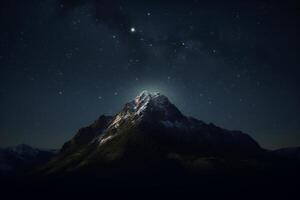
pixel 159 182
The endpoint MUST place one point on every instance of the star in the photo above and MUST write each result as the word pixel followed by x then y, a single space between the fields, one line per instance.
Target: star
pixel 132 29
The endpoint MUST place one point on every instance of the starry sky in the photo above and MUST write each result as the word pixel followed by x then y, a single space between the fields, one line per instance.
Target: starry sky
pixel 63 63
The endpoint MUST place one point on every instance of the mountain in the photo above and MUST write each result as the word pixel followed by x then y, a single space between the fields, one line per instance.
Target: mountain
pixel 21 158
pixel 292 153
pixel 150 129
pixel 151 150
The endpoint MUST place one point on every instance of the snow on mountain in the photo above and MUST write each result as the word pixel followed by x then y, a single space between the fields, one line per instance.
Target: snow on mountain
pixel 136 109
pixel 143 101
pixel 147 107
pixel 175 124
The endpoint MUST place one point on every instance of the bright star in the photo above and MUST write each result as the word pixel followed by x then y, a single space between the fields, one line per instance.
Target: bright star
pixel 132 30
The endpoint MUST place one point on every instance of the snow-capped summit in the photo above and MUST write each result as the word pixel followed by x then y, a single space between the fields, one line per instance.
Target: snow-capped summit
pixel 143 99
pixel 147 106
pixel 147 95
pixel 147 99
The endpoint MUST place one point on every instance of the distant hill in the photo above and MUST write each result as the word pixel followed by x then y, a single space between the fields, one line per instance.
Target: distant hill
pixel 290 153
pixel 20 158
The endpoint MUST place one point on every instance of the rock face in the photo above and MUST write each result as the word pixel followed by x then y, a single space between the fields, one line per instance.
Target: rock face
pixel 149 128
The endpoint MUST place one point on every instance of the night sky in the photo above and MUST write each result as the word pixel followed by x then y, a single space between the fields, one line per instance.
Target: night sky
pixel 64 63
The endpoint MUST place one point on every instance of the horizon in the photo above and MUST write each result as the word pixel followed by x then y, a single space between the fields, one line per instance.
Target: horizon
pixel 140 93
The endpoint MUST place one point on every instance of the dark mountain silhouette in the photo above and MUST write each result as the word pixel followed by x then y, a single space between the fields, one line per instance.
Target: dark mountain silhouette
pixel 150 129
pixel 292 153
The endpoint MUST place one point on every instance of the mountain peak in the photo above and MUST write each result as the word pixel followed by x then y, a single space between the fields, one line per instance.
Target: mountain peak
pixel 147 106
pixel 145 98
pixel 146 93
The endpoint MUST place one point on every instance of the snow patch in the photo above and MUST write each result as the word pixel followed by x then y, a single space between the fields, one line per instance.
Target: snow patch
pixel 116 121
pixel 103 140
pixel 169 124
